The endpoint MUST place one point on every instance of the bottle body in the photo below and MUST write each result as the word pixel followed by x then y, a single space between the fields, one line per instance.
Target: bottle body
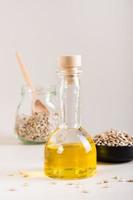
pixel 70 154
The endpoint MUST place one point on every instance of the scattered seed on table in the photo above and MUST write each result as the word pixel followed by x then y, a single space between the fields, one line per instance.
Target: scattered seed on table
pixel 69 184
pixel 11 174
pixel 85 191
pixel 105 181
pixel 105 186
pixel 12 190
pixel 53 183
pixel 130 180
pixel 116 177
pixel 25 175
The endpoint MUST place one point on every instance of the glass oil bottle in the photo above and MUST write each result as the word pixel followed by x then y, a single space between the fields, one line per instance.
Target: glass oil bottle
pixel 70 152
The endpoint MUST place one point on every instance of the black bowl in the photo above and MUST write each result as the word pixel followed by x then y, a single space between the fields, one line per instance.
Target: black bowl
pixel 114 154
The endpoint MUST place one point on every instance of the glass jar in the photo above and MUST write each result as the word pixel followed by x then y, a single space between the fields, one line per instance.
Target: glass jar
pixel 34 126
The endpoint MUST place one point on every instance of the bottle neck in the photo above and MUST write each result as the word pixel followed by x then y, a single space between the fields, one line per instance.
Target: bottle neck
pixel 69 101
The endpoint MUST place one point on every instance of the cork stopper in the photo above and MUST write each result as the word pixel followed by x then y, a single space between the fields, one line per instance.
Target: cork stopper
pixel 69 65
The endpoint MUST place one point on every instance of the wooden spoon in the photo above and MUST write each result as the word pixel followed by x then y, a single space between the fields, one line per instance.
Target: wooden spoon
pixel 38 106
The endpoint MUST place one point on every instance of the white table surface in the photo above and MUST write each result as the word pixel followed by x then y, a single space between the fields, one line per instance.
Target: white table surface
pixel 16 158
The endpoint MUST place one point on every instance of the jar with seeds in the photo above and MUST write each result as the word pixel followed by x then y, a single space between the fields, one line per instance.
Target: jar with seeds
pixel 36 115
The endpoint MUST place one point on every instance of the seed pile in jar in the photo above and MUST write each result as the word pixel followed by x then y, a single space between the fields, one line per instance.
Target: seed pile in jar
pixel 114 137
pixel 34 128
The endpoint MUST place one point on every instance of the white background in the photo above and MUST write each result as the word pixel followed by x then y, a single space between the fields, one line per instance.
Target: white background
pixel 41 30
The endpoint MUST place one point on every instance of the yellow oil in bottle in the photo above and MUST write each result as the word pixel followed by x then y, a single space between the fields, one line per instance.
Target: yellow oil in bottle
pixel 72 162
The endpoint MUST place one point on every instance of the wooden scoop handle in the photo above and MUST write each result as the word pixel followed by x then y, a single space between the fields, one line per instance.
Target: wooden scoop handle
pixel 24 72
